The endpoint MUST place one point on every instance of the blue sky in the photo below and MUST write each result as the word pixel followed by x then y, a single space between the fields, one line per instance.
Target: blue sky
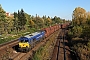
pixel 60 8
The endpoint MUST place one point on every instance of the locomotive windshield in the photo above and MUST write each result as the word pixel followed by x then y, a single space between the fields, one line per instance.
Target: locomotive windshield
pixel 23 40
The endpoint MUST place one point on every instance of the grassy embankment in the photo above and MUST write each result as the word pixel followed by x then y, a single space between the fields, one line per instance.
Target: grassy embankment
pixel 81 47
pixel 45 52
pixel 8 37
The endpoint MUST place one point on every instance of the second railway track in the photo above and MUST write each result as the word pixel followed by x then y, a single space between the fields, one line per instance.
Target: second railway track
pixel 6 48
pixel 61 50
pixel 8 44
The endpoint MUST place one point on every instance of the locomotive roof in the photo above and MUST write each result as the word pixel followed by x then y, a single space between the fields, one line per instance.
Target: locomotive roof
pixel 32 35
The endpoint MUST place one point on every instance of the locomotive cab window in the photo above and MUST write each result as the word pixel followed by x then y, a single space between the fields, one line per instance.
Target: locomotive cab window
pixel 21 40
pixel 24 41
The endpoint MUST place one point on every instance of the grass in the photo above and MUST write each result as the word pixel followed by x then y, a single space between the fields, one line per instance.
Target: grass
pixel 8 37
pixel 36 56
pixel 44 53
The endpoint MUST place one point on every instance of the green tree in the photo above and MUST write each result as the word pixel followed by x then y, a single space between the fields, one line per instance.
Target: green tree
pixel 86 33
pixel 57 20
pixel 86 29
pixel 21 19
pixel 15 24
pixel 28 18
pixel 77 31
pixel 2 20
pixel 48 21
pixel 88 18
pixel 39 22
pixel 88 14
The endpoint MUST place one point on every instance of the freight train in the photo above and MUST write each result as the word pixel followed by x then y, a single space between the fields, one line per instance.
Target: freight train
pixel 29 41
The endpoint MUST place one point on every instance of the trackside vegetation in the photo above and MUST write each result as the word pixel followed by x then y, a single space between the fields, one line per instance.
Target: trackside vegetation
pixel 79 34
pixel 45 52
pixel 19 23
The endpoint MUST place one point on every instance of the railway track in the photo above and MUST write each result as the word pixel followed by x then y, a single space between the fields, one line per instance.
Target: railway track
pixel 8 44
pixel 56 50
pixel 6 47
pixel 29 55
pixel 61 50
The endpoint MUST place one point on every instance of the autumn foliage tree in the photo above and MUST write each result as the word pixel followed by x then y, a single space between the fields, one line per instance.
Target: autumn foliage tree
pixel 79 16
pixel 32 24
pixel 86 29
pixel 81 22
pixel 80 33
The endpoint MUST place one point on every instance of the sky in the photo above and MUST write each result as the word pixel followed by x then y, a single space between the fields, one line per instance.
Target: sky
pixel 60 8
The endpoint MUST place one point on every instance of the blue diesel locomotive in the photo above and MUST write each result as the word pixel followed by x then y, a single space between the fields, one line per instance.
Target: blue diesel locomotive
pixel 28 42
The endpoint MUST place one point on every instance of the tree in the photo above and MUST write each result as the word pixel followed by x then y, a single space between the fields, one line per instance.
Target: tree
pixel 88 15
pixel 28 18
pixel 86 33
pixel 77 31
pixel 88 18
pixel 2 14
pixel 21 19
pixel 44 18
pixel 15 20
pixel 56 20
pixel 86 29
pixel 48 21
pixel 32 24
pixel 39 22
pixel 2 20
pixel 79 16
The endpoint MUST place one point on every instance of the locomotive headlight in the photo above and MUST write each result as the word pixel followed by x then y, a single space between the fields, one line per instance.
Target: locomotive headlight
pixel 19 44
